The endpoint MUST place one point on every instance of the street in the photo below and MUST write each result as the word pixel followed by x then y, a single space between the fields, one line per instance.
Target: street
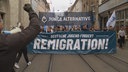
pixel 77 63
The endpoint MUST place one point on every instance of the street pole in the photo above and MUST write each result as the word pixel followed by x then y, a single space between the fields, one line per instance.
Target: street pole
pixel 19 17
pixel 96 25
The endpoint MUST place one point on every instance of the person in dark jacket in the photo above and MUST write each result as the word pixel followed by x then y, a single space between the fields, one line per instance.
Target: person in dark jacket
pixel 24 52
pixel 11 44
pixel 19 54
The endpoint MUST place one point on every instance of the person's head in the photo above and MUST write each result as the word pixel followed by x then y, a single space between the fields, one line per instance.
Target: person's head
pixel 110 28
pixel 67 28
pixel 42 28
pixel 92 28
pixel 61 28
pixel 1 26
pixel 58 28
pixel 122 28
pixel 49 28
pixel 84 27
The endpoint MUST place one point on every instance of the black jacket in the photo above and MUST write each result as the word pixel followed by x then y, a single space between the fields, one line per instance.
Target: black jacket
pixel 11 44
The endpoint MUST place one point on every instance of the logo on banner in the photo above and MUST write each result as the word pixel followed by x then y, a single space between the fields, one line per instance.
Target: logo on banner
pixel 44 19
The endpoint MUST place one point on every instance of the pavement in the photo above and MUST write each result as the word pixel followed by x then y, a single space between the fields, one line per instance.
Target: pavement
pixel 117 62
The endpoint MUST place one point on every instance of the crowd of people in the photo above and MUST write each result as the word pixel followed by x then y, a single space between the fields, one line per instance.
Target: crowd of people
pixel 83 27
pixel 120 38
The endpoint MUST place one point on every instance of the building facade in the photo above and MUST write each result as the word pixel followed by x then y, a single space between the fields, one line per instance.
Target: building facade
pixel 11 12
pixel 40 6
pixel 76 7
pixel 87 6
pixel 120 6
pixel 92 6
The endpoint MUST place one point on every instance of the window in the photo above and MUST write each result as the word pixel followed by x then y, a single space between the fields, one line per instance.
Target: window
pixel 92 3
pixel 122 14
pixel 87 3
pixel 126 13
pixel 84 5
pixel 121 23
pixel 117 26
pixel 2 17
pixel 118 15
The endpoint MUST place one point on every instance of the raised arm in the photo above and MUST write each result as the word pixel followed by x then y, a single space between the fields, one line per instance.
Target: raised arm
pixel 27 35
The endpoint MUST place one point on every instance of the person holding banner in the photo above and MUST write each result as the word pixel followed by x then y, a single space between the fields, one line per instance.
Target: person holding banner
pixel 84 27
pixel 110 28
pixel 92 29
pixel 11 44
pixel 105 29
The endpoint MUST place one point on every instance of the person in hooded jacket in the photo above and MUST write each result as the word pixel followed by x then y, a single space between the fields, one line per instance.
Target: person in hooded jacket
pixel 12 43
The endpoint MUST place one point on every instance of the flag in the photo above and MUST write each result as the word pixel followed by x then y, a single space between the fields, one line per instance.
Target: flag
pixel 112 20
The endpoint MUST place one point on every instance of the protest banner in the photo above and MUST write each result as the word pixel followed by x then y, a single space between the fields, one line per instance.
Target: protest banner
pixel 66 18
pixel 74 42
